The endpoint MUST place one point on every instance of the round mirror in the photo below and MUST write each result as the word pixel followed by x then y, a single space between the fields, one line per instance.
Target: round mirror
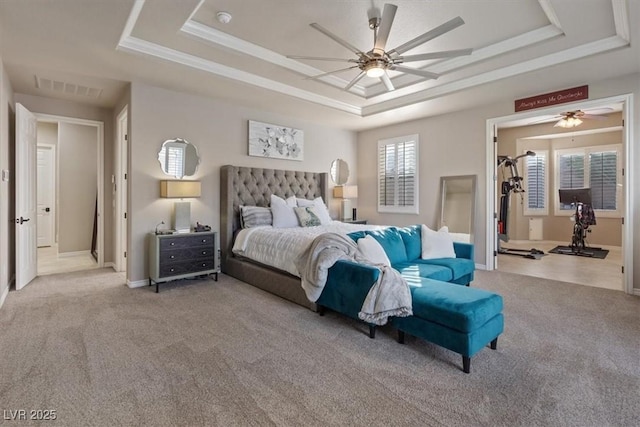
pixel 178 158
pixel 339 171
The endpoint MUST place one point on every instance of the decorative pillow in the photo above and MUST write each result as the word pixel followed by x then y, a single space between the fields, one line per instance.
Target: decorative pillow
pixel 255 216
pixel 372 250
pixel 437 244
pixel 307 216
pixel 321 209
pixel 282 211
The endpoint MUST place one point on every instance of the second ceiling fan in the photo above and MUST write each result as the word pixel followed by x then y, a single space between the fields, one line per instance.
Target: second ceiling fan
pixel 378 61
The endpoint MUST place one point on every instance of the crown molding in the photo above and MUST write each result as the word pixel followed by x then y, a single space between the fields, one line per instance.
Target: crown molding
pixel 194 29
pixel 139 46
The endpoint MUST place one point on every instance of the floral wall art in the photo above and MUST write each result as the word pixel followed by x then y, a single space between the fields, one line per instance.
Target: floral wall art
pixel 275 141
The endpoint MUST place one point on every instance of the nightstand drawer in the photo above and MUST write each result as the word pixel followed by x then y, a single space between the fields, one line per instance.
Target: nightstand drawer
pixel 191 241
pixel 185 254
pixel 185 267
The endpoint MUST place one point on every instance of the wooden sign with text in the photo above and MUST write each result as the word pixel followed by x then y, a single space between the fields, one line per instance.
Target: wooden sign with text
pixel 552 98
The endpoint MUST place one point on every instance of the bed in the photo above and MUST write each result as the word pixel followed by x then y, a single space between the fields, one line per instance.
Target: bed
pixel 254 186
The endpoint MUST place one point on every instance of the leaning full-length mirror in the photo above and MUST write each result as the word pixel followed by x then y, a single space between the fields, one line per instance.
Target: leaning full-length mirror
pixel 178 158
pixel 457 205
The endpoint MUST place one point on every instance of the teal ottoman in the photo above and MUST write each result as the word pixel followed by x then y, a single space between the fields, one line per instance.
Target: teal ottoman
pixel 461 319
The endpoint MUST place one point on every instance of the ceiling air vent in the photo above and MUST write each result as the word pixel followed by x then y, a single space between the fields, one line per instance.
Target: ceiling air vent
pixel 44 83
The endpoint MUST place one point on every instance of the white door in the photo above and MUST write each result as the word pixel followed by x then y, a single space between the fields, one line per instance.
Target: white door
pixel 46 194
pixel 121 191
pixel 26 215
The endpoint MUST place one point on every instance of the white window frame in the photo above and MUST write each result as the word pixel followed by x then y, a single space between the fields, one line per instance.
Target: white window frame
pixel 413 209
pixel 585 151
pixel 527 211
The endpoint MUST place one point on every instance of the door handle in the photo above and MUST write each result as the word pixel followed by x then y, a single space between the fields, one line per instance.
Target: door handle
pixel 21 220
pixel 47 209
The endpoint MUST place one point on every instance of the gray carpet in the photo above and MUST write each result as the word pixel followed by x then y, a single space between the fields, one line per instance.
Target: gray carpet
pixel 225 353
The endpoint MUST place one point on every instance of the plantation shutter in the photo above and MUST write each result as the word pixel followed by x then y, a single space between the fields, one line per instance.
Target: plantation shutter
pixel 175 161
pixel 397 175
pixel 536 185
pixel 603 179
pixel 571 174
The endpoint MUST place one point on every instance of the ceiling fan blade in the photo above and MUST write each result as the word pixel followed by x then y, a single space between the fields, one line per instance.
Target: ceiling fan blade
pixel 355 80
pixel 317 58
pixel 592 117
pixel 423 73
pixel 330 72
pixel 545 120
pixel 387 82
pixel 434 55
pixel 429 35
pixel 337 39
pixel 388 14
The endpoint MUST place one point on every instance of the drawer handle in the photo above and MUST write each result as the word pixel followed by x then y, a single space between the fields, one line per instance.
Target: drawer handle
pixel 204 252
pixel 172 243
pixel 172 256
pixel 204 265
pixel 204 240
pixel 171 270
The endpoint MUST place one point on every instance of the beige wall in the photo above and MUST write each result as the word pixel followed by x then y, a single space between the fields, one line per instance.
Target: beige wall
pixel 77 177
pixel 514 141
pixel 220 132
pixel 7 230
pixel 37 104
pixel 455 144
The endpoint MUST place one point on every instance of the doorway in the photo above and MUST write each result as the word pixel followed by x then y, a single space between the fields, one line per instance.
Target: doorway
pixel 625 182
pixel 69 177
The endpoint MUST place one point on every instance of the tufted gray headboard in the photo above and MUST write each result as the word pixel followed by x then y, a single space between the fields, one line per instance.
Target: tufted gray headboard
pixel 254 186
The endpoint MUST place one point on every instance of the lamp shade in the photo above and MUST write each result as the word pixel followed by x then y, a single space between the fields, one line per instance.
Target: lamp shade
pixel 345 192
pixel 179 189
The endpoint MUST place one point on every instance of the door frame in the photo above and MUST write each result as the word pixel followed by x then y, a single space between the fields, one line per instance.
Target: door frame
pixel 121 189
pixel 629 199
pixel 51 118
pixel 53 185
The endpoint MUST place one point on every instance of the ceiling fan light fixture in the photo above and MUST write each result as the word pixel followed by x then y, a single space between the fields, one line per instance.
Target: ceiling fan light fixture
pixel 568 122
pixel 374 69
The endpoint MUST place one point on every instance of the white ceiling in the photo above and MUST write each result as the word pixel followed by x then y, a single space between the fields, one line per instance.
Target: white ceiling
pixel 521 48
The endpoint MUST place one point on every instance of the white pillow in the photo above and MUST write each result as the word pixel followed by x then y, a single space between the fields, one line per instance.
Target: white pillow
pixel 373 251
pixel 283 214
pixel 437 244
pixel 321 209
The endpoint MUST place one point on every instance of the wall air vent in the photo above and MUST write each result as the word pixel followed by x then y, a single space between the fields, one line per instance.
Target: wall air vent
pixel 44 83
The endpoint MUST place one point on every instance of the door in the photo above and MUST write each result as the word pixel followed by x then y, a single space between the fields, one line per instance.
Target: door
pixel 26 215
pixel 121 191
pixel 45 194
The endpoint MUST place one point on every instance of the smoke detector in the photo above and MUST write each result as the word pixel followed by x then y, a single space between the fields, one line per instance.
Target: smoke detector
pixel 224 17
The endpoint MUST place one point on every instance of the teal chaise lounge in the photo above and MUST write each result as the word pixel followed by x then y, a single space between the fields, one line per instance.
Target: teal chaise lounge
pixel 459 318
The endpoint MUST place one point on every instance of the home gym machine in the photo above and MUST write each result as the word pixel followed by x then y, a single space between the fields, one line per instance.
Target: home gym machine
pixel 582 218
pixel 511 184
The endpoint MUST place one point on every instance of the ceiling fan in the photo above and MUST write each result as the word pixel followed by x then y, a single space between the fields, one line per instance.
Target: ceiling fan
pixel 378 61
pixel 571 119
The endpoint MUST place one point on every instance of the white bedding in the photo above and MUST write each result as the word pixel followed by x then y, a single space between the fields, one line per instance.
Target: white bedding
pixel 279 247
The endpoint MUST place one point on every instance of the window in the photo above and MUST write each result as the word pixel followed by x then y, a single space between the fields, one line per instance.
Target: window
pixel 597 168
pixel 536 178
pixel 398 175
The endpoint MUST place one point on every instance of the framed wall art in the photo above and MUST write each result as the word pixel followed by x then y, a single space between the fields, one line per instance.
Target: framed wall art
pixel 275 141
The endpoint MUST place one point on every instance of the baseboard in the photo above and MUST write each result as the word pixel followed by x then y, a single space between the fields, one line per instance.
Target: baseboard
pixel 481 267
pixel 70 254
pixel 3 297
pixel 636 291
pixel 137 283
pixel 110 264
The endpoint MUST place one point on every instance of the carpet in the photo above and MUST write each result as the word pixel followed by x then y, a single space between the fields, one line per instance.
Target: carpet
pixel 598 253
pixel 206 353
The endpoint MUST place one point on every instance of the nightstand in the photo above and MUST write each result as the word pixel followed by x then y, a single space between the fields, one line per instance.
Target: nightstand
pixel 180 256
pixel 354 221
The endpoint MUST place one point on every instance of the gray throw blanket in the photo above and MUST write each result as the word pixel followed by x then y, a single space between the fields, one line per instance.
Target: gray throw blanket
pixel 389 296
